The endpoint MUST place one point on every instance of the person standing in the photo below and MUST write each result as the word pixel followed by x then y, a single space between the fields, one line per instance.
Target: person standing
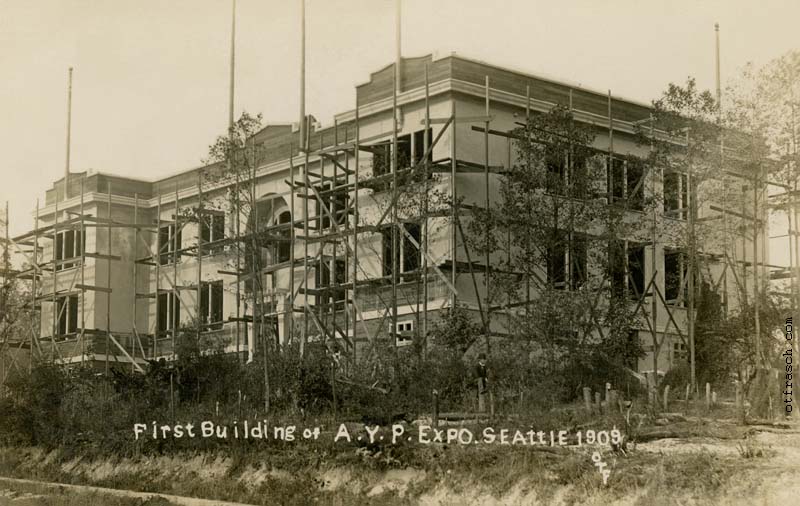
pixel 481 382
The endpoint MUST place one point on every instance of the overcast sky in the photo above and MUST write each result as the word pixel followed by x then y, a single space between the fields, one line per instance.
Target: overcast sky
pixel 151 77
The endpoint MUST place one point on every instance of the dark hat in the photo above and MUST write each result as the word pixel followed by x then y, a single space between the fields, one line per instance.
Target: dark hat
pixel 481 356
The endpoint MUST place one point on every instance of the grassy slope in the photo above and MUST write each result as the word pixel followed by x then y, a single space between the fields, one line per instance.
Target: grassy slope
pixel 308 473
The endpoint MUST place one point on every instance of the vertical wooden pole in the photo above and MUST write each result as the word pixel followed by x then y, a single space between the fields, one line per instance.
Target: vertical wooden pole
pixel 157 261
pixel 290 312
pixel 355 232
pixel 83 277
pixel 108 275
pixel 35 333
pixel 394 203
pixel 454 196
pixel 201 220
pixel 487 271
pixel 425 219
pixel 56 315
pixel 692 213
pixel 69 134
pixel 134 275
pixel 176 294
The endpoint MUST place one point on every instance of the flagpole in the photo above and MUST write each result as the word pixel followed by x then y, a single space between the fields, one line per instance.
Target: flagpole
pixel 398 46
pixel 302 74
pixel 69 131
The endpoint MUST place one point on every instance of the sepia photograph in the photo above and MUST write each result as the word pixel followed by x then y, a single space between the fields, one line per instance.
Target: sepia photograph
pixel 399 252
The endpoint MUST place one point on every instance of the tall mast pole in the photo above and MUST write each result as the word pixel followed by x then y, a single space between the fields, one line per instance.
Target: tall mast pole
pixel 719 87
pixel 303 75
pixel 69 132
pixel 237 197
pixel 726 235
pixel 233 65
pixel 304 147
pixel 398 45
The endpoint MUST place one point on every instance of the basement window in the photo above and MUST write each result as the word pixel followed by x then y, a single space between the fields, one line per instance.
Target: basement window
pixel 211 305
pixel 69 245
pixel 67 315
pixel 404 334
pixel 169 313
pixel 168 244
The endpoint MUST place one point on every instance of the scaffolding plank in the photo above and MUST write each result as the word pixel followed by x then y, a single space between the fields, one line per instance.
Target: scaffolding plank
pixel 103 289
pixel 464 119
pixel 102 256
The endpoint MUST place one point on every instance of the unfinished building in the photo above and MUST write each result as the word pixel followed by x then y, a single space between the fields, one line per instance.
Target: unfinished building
pixel 118 265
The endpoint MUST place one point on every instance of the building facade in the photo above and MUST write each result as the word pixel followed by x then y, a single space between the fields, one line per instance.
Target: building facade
pixel 344 242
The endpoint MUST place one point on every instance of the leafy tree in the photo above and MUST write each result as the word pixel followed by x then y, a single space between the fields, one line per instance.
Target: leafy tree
pixel 556 201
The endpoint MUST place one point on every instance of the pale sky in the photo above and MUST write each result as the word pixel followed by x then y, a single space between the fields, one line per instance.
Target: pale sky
pixel 151 77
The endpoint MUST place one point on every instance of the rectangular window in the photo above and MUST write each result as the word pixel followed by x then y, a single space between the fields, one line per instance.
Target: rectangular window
pixel 336 202
pixel 332 273
pixel 625 182
pixel 555 166
pixel 169 313
pixel 616 266
pixel 615 175
pixel 634 181
pixel 285 233
pixel 69 245
pixel 168 244
pixel 381 158
pixel 386 250
pixel 211 305
pixel 212 228
pixel 676 195
pixel 419 145
pixel 578 261
pixel 579 176
pixel 411 253
pixel 635 269
pixel 674 274
pixel 408 255
pixel 67 315
pixel 556 265
pixel 403 152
